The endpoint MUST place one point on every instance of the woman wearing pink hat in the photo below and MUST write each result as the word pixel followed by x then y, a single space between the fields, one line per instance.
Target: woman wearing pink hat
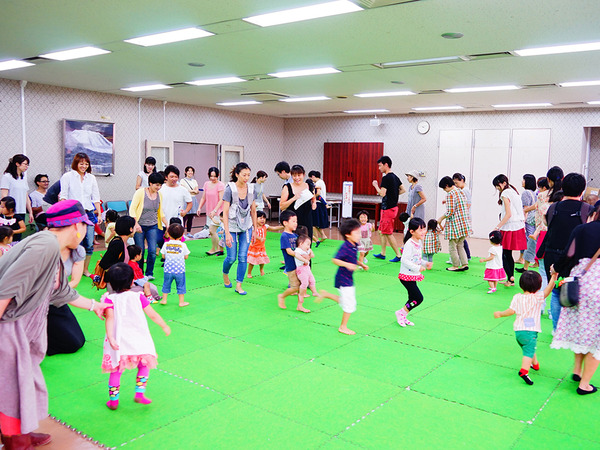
pixel 31 277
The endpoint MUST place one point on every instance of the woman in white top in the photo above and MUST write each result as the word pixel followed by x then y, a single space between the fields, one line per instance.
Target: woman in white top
pixel 14 183
pixel 142 177
pixel 512 224
pixel 320 216
pixel 79 184
pixel 191 185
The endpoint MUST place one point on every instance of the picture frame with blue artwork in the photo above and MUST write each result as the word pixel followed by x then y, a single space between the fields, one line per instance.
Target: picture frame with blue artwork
pixel 95 138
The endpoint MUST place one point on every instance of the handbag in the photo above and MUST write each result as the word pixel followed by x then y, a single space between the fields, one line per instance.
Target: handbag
pixel 569 287
pixel 98 278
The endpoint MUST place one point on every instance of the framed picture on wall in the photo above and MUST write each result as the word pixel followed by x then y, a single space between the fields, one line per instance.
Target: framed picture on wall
pixel 96 139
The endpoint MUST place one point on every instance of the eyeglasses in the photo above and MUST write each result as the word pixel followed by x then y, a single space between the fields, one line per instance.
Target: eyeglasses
pixel 44 181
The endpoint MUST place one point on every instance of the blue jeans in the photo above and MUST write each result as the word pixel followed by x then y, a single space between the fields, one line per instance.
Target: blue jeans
pixel 88 240
pixel 555 307
pixel 428 257
pixel 241 252
pixel 179 283
pixel 149 234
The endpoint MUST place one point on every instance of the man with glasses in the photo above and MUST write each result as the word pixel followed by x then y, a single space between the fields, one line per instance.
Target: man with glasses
pixel 38 204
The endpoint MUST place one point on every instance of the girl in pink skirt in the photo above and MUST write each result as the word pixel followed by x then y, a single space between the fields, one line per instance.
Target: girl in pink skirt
pixel 494 271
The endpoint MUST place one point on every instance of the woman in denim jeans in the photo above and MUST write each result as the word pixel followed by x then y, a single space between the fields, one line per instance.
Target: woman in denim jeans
pixel 146 209
pixel 239 216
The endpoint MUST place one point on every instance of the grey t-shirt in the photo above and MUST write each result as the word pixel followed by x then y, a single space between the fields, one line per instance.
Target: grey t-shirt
pixel 149 214
pixel 76 255
pixel 413 199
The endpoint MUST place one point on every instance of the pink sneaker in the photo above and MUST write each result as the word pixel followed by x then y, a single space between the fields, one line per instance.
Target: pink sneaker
pixel 491 291
pixel 408 322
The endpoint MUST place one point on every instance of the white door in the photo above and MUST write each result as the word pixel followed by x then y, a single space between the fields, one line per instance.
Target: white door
pixel 530 153
pixel 230 156
pixel 490 158
pixel 162 152
pixel 454 156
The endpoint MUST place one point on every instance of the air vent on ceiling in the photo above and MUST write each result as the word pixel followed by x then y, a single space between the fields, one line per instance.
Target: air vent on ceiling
pixel 482 56
pixel 265 96
pixel 570 103
pixel 369 4
pixel 536 86
pixel 432 91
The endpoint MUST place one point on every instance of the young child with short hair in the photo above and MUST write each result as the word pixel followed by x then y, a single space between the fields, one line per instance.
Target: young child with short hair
pixel 528 308
pixel 289 220
pixel 431 241
pixel 494 271
pixel 9 219
pixel 175 253
pixel 128 343
pixel 302 256
pixel 150 291
pixel 347 261
pixel 109 233
pixel 257 254
pixel 411 266
pixel 366 230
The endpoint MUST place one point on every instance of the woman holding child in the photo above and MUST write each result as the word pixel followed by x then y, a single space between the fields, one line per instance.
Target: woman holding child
pixel 239 216
pixel 32 276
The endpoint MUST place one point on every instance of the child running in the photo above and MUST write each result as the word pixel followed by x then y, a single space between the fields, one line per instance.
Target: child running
pixel 128 343
pixel 411 266
pixel 528 307
pixel 494 271
pixel 175 253
pixel 347 261
pixel 257 254
pixel 6 237
pixel 150 291
pixel 289 220
pixel 366 229
pixel 302 256
pixel 431 242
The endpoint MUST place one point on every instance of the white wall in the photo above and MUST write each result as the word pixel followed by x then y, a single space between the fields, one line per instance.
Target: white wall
pixel 409 150
pixel 46 106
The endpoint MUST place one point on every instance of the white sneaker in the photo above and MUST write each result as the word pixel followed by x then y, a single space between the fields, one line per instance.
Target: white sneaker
pixel 449 261
pixel 365 261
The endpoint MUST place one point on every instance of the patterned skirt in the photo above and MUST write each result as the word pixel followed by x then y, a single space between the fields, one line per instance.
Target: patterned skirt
pixel 578 328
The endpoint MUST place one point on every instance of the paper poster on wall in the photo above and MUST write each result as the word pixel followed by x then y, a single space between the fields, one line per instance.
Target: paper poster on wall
pixel 96 139
pixel 347 199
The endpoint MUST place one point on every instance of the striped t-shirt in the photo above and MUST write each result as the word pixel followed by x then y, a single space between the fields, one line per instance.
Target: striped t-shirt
pixel 528 308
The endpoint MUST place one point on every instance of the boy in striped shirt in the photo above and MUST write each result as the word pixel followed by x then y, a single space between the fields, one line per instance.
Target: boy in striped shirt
pixel 528 308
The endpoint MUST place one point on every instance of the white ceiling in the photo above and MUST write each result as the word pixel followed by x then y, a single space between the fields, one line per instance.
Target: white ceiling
pixel 350 42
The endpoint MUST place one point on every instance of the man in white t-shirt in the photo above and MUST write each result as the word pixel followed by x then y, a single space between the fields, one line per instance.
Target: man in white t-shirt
pixel 176 200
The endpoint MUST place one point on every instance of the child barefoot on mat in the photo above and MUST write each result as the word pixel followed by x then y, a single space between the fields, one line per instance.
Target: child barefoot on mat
pixel 366 229
pixel 175 253
pixel 257 254
pixel 289 220
pixel 411 266
pixel 528 306
pixel 128 343
pixel 303 255
pixel 347 260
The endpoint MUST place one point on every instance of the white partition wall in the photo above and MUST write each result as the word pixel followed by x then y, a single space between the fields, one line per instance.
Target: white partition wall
pixel 491 152
pixel 530 153
pixel 454 156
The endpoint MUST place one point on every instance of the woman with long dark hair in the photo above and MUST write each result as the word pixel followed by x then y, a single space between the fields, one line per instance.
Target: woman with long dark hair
pixel 14 183
pixel 298 197
pixel 512 224
pixel 239 216
pixel 142 177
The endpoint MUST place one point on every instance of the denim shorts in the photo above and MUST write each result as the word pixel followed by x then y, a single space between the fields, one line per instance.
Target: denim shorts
pixel 179 282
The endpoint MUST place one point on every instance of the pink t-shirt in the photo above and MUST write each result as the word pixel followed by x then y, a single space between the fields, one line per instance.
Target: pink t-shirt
pixel 211 195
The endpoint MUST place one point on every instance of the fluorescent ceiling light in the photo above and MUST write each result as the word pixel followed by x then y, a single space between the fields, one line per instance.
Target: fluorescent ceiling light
pixel 170 36
pixel 212 81
pixel 417 62
pixel 304 13
pixel 14 64
pixel 249 102
pixel 580 83
pixel 573 48
pixel 384 94
pixel 366 111
pixel 149 87
pixel 438 108
pixel 595 102
pixel 304 99
pixel 521 105
pixel 509 87
pixel 304 72
pixel 82 52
